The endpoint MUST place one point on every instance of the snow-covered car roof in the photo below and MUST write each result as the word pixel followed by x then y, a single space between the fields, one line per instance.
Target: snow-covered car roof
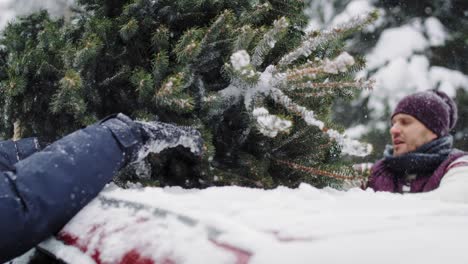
pixel 244 225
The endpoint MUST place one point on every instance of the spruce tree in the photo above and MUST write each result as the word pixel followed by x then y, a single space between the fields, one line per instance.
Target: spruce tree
pixel 243 72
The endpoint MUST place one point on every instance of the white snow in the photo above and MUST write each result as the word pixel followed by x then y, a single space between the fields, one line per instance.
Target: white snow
pixel 399 66
pixel 356 8
pixel 9 9
pixel 270 125
pixel 436 32
pixel 356 131
pixel 168 136
pixel 322 13
pixel 6 14
pixel 240 59
pixel 338 64
pixel 350 146
pixel 395 43
pixel 399 78
pixel 282 225
pixel 405 41
pixel 402 76
pixel 449 80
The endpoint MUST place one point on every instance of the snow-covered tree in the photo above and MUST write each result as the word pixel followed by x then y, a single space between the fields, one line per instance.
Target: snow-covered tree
pixel 244 72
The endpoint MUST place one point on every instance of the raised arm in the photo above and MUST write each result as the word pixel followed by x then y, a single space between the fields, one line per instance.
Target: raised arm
pixel 40 193
pixel 14 151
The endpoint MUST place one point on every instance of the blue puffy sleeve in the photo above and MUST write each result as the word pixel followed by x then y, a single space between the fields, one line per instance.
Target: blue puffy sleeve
pixel 42 192
pixel 14 151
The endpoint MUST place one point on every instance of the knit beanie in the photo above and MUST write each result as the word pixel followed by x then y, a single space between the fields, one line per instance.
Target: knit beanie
pixel 435 109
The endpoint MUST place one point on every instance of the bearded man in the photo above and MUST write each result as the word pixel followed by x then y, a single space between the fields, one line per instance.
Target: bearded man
pixel 421 157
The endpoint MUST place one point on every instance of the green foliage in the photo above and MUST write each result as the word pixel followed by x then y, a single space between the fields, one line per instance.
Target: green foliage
pixel 172 60
pixel 144 84
pixel 68 98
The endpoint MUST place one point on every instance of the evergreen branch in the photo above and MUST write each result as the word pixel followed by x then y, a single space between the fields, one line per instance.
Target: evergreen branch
pixel 92 46
pixel 317 39
pixel 282 6
pixel 292 138
pixel 297 74
pixel 120 75
pixel 183 104
pixel 269 40
pixel 15 85
pixel 220 42
pixel 260 11
pixel 144 84
pixel 170 86
pixel 244 39
pixel 188 45
pixel 315 94
pixel 339 64
pixel 216 28
pixel 270 125
pixel 129 30
pixel 160 67
pixel 349 146
pixel 171 96
pixel 160 38
pixel 243 74
pixel 318 172
pixel 359 84
pixel 307 115
pixel 69 99
pixel 71 80
pixel 205 52
pixel 199 3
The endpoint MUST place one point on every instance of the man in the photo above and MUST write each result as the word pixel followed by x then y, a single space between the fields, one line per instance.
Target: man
pixel 41 190
pixel 421 157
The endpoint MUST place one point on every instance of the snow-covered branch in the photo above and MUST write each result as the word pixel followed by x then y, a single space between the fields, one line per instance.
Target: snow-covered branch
pixel 316 39
pixel 269 40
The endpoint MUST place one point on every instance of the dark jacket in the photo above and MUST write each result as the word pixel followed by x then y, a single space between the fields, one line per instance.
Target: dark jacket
pixel 40 191
pixel 382 180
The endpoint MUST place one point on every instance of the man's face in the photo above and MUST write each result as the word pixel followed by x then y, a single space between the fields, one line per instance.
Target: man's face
pixel 408 134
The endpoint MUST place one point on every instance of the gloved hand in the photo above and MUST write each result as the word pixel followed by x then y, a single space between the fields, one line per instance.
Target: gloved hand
pixel 158 136
pixel 138 138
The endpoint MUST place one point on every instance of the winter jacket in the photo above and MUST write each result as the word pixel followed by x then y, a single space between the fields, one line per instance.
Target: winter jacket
pixel 449 182
pixel 454 184
pixel 40 191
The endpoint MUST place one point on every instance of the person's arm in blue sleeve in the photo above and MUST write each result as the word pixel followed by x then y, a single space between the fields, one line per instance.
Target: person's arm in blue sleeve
pixel 42 192
pixel 14 151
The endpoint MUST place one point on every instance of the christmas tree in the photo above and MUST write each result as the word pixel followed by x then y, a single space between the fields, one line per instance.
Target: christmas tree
pixel 244 73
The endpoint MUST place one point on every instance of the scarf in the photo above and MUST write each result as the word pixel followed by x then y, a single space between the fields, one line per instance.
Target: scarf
pixel 423 160
pixel 428 162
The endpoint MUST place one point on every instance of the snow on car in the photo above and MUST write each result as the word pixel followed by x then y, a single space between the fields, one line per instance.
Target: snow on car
pixel 244 225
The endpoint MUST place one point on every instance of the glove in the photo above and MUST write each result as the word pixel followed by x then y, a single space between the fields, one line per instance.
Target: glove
pixel 138 138
pixel 158 136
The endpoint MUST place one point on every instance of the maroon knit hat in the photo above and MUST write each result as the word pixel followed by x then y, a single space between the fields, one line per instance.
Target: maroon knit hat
pixel 435 109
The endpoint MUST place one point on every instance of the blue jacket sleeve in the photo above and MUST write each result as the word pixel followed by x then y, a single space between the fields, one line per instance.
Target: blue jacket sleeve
pixel 14 151
pixel 45 190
